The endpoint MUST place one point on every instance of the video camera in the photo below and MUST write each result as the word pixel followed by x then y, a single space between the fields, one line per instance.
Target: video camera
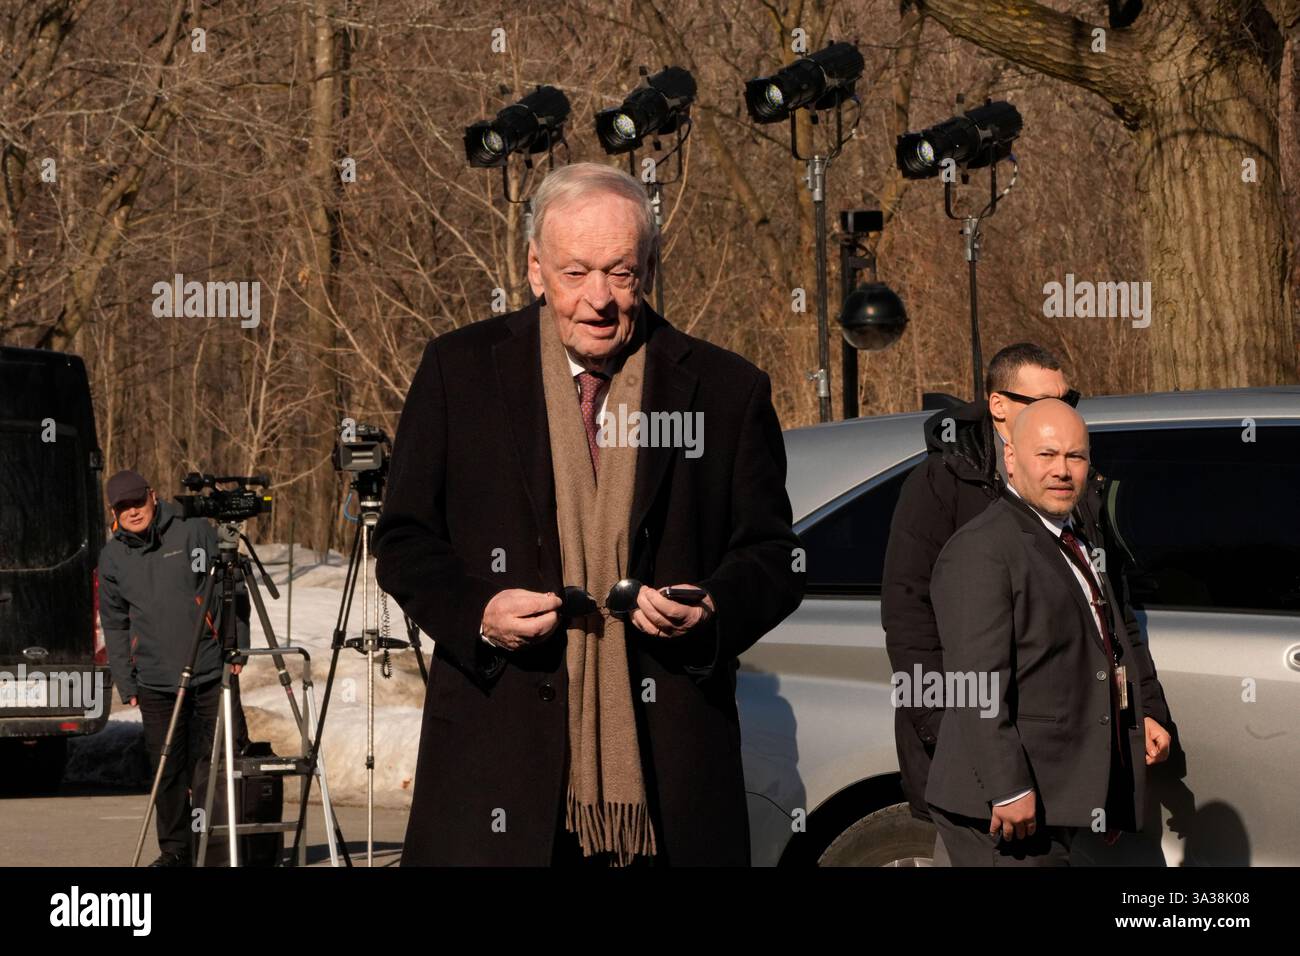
pixel 364 452
pixel 235 504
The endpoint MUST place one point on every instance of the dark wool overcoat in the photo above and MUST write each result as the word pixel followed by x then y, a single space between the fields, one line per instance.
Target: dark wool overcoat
pixel 470 510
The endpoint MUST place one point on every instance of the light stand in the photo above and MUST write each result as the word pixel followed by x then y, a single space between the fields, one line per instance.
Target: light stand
pixel 655 190
pixel 970 140
pixel 815 178
pixel 660 104
pixel 971 231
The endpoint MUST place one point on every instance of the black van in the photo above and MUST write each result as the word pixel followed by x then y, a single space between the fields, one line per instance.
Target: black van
pixel 54 677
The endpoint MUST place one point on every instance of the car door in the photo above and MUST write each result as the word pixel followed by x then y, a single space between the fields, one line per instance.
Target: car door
pixel 1207 524
pixel 814 695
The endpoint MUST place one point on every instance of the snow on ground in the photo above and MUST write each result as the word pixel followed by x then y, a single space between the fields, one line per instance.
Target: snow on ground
pixel 116 756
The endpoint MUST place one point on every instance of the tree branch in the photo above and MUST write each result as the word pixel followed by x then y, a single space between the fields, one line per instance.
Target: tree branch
pixel 1052 43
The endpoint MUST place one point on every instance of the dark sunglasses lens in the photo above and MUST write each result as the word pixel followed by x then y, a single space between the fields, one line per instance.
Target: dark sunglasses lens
pixel 622 596
pixel 575 602
pixel 1071 398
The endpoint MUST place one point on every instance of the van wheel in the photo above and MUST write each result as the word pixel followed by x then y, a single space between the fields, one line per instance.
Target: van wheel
pixel 888 837
pixel 50 760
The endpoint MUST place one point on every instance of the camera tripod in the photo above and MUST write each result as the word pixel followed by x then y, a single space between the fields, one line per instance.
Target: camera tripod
pixel 374 639
pixel 228 569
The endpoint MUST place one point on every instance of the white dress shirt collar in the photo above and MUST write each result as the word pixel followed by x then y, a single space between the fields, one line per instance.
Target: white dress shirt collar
pixel 1053 524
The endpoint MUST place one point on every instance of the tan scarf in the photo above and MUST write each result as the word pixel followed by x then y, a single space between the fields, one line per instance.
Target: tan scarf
pixel 606 800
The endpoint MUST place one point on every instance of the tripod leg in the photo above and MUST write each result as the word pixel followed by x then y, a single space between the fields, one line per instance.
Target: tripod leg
pixel 332 836
pixel 255 595
pixel 232 811
pixel 413 634
pixel 181 693
pixel 286 681
pixel 370 757
pixel 314 757
pixel 210 789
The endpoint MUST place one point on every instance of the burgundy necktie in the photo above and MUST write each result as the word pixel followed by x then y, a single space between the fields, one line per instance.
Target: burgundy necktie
pixel 590 383
pixel 1078 555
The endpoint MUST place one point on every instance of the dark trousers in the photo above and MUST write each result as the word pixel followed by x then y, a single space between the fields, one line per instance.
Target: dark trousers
pixel 969 843
pixel 191 748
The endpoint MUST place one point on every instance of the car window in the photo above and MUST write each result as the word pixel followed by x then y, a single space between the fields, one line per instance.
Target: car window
pixel 42 506
pixel 846 546
pixel 1206 516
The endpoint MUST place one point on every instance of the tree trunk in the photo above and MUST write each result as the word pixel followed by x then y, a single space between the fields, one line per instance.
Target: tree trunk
pixel 322 211
pixel 1216 245
pixel 1197 83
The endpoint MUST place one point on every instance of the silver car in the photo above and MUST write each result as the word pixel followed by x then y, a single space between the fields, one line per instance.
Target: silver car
pixel 1205 495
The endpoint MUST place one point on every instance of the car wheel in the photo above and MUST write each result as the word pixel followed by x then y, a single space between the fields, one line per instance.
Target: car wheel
pixel 888 837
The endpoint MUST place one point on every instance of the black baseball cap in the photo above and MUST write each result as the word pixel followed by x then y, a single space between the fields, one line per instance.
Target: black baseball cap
pixel 126 485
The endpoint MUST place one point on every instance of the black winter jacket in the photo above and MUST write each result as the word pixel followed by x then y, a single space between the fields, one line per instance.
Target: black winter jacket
pixel 149 598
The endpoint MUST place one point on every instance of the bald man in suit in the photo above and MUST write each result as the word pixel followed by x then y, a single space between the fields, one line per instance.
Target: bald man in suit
pixel 1018 603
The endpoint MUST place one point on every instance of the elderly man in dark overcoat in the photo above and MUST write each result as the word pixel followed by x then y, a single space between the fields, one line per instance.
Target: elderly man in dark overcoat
pixel 542 457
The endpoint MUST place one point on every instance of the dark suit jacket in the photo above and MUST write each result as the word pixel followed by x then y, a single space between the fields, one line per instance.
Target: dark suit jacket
pixel 957 480
pixel 471 480
pixel 1007 602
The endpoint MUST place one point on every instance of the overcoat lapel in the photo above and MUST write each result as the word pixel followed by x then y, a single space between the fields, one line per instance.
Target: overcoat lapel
pixel 518 361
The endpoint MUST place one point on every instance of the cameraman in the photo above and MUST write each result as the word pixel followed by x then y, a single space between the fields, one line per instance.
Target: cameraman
pixel 149 596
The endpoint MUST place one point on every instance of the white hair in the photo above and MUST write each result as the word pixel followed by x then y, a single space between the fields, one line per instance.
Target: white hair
pixel 568 184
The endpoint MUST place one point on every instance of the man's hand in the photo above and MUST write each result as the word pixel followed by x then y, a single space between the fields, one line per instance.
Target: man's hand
pixel 516 617
pixel 1015 820
pixel 658 616
pixel 1157 742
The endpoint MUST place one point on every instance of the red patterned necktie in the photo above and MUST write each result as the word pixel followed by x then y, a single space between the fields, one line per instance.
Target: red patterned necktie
pixel 590 383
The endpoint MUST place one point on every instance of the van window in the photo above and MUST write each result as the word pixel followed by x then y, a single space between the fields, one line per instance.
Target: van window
pixel 42 498
pixel 1207 519
pixel 846 548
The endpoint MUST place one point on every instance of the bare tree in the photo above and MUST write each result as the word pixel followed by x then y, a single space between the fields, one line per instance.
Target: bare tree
pixel 1196 83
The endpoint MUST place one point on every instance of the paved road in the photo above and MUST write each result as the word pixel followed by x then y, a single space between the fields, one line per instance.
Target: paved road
pixel 98 827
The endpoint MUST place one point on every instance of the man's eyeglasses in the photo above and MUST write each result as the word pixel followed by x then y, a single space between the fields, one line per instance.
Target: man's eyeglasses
pixel 1070 398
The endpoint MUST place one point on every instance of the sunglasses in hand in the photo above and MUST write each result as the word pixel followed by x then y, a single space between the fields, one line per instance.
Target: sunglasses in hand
pixel 621 599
